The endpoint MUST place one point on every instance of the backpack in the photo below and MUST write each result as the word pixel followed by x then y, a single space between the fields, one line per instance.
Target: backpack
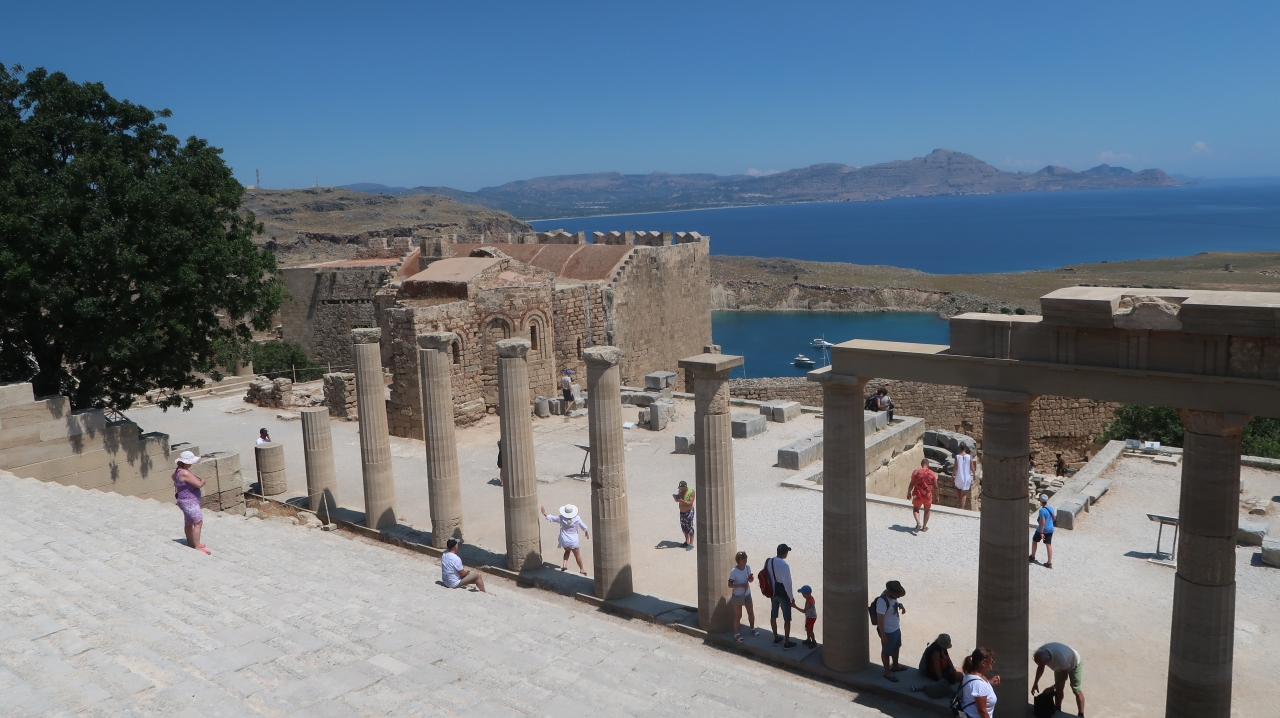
pixel 871 610
pixel 957 704
pixel 1046 704
pixel 872 403
pixel 766 581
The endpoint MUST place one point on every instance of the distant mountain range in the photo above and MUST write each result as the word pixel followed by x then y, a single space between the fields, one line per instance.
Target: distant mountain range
pixel 941 172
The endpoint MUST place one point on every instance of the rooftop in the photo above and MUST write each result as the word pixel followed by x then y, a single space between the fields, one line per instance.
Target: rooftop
pixel 586 262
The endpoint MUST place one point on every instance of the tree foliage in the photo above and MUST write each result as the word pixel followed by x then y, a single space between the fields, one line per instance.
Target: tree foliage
pixel 1261 436
pixel 126 266
pixel 282 359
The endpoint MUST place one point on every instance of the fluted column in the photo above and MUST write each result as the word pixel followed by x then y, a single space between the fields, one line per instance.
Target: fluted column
pixel 611 551
pixel 713 461
pixel 845 628
pixel 1003 601
pixel 444 491
pixel 317 451
pixel 1201 641
pixel 269 459
pixel 375 442
pixel 520 482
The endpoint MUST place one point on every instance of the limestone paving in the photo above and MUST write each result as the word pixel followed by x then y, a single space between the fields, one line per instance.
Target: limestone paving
pixel 106 613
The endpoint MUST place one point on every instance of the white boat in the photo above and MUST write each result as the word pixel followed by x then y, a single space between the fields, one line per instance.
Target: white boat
pixel 802 360
pixel 820 342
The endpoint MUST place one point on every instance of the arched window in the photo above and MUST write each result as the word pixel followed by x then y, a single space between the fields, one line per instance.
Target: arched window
pixel 457 352
pixel 533 336
pixel 579 347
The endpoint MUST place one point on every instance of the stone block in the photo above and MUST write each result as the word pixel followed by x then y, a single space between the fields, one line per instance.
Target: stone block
pixel 1096 489
pixel 1069 511
pixel 780 410
pixel 659 380
pixel 643 418
pixel 937 454
pixel 1271 551
pixel 800 453
pixel 1251 533
pixel 745 426
pixel 556 406
pixel 659 415
pixel 684 443
pixel 639 398
pixel 542 407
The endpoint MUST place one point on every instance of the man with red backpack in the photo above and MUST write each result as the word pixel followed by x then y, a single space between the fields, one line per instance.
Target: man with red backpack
pixel 775 584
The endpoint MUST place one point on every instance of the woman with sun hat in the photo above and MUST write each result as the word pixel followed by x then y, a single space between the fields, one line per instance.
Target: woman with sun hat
pixel 187 494
pixel 569 522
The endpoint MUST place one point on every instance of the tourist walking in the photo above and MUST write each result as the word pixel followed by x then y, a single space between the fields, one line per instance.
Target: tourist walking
pixel 684 498
pixel 566 390
pixel 451 571
pixel 264 437
pixel 923 485
pixel 740 578
pixel 1065 663
pixel 810 616
pixel 1044 532
pixel 937 667
pixel 783 598
pixel 889 627
pixel 977 696
pixel 569 522
pixel 186 493
pixel 964 476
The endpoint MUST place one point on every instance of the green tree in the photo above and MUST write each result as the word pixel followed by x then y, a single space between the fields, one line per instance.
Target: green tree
pixel 1154 423
pixel 282 359
pixel 126 266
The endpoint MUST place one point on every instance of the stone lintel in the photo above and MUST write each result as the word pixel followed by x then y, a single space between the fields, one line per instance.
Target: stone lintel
pixel 366 336
pixel 602 356
pixel 824 376
pixel 1000 396
pixel 511 348
pixel 439 341
pixel 931 364
pixel 711 364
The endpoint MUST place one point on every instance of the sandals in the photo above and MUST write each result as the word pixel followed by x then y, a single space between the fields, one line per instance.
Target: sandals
pixel 738 637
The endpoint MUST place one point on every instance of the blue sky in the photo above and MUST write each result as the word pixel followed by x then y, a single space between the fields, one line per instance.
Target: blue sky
pixel 479 93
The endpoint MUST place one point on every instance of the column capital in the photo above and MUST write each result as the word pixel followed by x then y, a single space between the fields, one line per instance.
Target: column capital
pixel 366 336
pixel 1212 423
pixel 829 380
pixel 513 348
pixel 711 365
pixel 602 357
pixel 1000 396
pixel 437 340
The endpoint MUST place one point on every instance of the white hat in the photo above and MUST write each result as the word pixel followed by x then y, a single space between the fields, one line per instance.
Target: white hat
pixel 569 511
pixel 1044 498
pixel 187 458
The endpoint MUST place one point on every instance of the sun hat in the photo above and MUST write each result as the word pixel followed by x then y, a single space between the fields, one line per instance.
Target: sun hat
pixel 896 589
pixel 187 458
pixel 569 511
pixel 805 589
pixel 944 640
pixel 1044 498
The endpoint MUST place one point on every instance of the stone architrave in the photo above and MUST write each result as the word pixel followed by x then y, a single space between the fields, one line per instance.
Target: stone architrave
pixel 317 451
pixel 520 481
pixel 375 442
pixel 845 629
pixel 1202 638
pixel 716 525
pixel 444 491
pixel 612 548
pixel 1003 599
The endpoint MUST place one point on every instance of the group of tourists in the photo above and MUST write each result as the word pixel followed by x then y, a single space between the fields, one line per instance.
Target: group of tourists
pixel 776 585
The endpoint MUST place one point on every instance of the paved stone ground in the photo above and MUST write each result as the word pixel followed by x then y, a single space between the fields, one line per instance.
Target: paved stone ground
pixel 103 612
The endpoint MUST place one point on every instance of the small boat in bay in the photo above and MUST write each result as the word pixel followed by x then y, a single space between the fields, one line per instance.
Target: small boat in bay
pixel 803 361
pixel 822 343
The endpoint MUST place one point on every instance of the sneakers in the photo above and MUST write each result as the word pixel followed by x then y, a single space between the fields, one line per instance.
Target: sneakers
pixel 755 631
pixel 738 637
pixel 809 644
pixel 777 640
pixel 788 645
pixel 1031 559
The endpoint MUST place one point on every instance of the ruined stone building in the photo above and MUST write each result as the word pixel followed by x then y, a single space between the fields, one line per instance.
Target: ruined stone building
pixel 645 292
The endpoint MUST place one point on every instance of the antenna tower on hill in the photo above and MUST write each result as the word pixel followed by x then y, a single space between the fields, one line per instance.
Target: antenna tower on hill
pixel 257 178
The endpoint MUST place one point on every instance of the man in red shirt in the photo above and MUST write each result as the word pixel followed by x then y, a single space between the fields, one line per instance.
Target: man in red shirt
pixel 923 485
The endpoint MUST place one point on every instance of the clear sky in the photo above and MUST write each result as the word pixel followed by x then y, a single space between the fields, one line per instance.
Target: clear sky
pixel 469 94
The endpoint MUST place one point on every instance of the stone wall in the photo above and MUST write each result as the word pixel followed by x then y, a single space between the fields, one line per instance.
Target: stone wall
pixel 324 303
pixel 582 317
pixel 1058 424
pixel 340 395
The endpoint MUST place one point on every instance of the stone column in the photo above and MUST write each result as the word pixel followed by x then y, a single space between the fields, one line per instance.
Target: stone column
pixel 1003 601
pixel 269 458
pixel 713 461
pixel 375 443
pixel 1204 591
pixel 317 451
pixel 520 482
pixel 444 491
pixel 612 548
pixel 845 630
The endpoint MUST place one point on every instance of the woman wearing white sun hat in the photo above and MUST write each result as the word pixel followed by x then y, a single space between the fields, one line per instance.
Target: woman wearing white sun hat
pixel 569 524
pixel 187 494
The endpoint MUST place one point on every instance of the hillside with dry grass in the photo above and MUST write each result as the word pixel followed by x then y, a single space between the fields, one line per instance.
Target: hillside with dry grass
pixel 322 223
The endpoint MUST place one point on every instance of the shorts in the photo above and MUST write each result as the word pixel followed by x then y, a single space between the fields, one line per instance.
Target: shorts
pixel 809 624
pixel 568 395
pixel 741 600
pixel 892 641
pixel 469 579
pixel 191 512
pixel 781 601
pixel 1075 674
pixel 686 522
pixel 1047 538
pixel 922 501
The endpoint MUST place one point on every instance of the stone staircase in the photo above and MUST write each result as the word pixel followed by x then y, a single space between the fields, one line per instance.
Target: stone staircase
pixel 104 612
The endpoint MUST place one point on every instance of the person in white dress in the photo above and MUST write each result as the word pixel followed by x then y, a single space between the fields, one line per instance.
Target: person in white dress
pixel 964 476
pixel 569 525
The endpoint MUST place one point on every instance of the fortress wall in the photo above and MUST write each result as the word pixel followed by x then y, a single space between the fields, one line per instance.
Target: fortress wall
pixel 1058 424
pixel 581 319
pixel 324 304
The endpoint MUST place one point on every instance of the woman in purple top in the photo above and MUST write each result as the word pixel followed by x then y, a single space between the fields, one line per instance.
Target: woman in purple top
pixel 187 493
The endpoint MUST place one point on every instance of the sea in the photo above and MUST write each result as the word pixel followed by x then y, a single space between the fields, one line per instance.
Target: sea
pixel 955 235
